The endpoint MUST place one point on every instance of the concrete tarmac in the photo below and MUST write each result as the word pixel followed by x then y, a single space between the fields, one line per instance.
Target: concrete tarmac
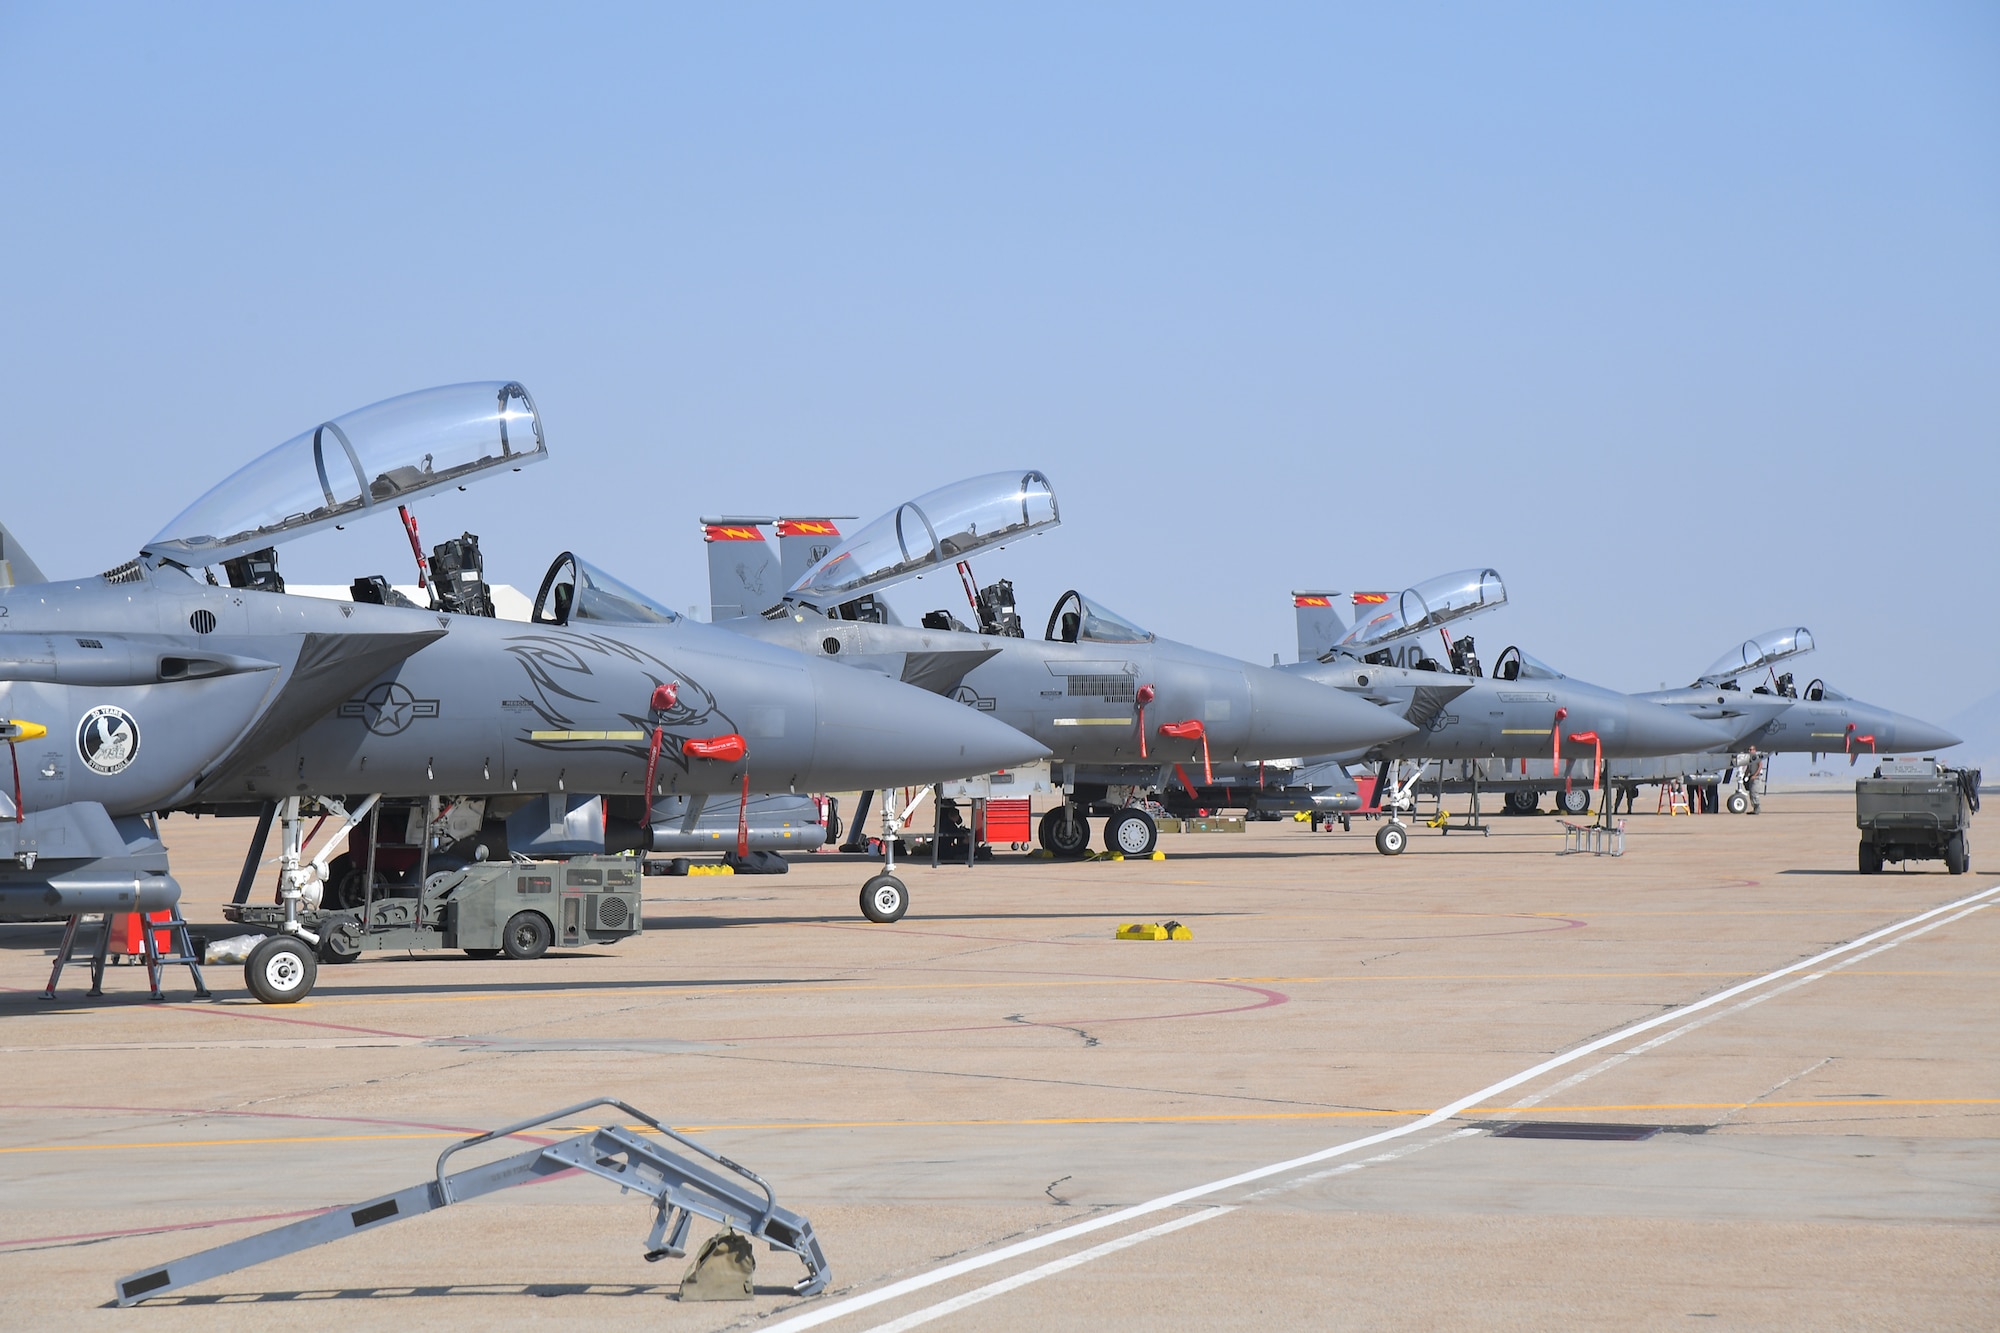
pixel 996 1074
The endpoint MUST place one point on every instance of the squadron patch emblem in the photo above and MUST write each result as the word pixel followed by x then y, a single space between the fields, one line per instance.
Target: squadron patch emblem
pixel 107 739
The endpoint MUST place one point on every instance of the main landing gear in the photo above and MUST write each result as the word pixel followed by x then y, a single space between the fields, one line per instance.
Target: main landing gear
pixel 1132 832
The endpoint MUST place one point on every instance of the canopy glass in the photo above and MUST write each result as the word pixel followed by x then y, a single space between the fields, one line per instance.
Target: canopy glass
pixel 1754 654
pixel 1424 606
pixel 575 591
pixel 378 457
pixel 1079 619
pixel 1517 665
pixel 930 532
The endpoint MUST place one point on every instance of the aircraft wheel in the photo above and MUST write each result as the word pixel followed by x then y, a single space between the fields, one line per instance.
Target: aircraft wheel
pixel 884 899
pixel 1391 839
pixel 1738 803
pixel 1871 859
pixel 1345 825
pixel 1957 856
pixel 1065 832
pixel 281 970
pixel 482 953
pixel 528 935
pixel 1575 801
pixel 1132 832
pixel 1523 802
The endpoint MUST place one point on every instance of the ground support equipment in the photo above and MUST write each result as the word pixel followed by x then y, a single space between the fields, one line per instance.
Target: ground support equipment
pixel 679 1187
pixel 174 927
pixel 1597 839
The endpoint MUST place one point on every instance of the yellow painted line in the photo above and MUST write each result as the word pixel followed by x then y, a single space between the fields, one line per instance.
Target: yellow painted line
pixel 1037 1121
pixel 586 735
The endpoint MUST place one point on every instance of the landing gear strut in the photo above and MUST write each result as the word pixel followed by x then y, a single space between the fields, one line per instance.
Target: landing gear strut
pixel 884 898
pixel 1064 832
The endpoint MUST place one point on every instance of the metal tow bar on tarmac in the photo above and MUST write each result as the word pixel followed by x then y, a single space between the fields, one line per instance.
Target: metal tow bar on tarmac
pixel 680 1188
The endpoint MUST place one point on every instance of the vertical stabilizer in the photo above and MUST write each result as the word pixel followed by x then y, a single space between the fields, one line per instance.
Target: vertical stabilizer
pixel 803 543
pixel 1321 622
pixel 15 566
pixel 743 577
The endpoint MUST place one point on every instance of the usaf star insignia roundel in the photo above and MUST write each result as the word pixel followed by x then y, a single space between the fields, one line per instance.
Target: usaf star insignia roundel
pixel 107 739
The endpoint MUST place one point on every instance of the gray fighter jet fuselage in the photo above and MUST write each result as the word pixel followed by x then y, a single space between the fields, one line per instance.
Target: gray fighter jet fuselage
pixel 147 690
pixel 1118 707
pixel 1774 717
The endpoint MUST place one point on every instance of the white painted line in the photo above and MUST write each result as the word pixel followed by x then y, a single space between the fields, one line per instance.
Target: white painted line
pixel 1347 1168
pixel 1050 1269
pixel 823 1314
pixel 1665 1037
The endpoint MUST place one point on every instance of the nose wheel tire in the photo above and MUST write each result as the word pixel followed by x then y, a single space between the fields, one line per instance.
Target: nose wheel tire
pixel 1065 832
pixel 281 970
pixel 1391 839
pixel 884 899
pixel 1132 832
pixel 528 935
pixel 1738 803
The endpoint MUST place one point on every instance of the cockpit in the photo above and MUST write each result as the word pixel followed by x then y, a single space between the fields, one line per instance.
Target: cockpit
pixel 371 460
pixel 1079 619
pixel 1759 653
pixel 574 591
pixel 1517 665
pixel 928 533
pixel 1389 636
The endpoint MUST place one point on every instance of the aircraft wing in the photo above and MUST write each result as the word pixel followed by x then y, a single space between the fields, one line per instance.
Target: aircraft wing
pixel 330 668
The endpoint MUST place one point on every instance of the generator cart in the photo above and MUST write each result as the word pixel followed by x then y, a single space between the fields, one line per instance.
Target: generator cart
pixel 1916 811
pixel 517 908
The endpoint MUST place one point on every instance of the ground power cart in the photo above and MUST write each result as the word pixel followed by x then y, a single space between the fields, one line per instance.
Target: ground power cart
pixel 517 908
pixel 1916 811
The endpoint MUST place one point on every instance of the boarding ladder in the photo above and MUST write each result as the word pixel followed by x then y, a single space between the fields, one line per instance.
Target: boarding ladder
pixel 679 1187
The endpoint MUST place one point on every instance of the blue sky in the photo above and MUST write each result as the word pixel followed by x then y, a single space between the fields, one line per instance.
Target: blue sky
pixel 1686 318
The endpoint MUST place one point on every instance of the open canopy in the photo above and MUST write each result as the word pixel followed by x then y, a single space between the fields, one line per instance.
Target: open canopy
pixel 575 591
pixel 1425 606
pixel 929 532
pixel 378 457
pixel 1755 654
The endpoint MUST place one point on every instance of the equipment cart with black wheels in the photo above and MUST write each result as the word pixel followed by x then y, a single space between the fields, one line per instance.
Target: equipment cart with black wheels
pixel 516 908
pixel 1916 810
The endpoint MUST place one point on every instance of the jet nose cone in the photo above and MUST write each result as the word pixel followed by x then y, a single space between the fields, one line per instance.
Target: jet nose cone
pixel 1909 736
pixel 1655 730
pixel 1291 715
pixel 876 732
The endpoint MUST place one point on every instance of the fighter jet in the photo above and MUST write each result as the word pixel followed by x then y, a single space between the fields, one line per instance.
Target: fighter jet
pixel 156 687
pixel 1120 707
pixel 1523 711
pixel 1773 716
